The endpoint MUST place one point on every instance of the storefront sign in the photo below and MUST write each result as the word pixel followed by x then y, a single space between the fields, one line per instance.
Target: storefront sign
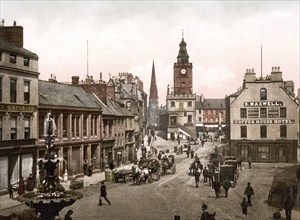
pixel 18 108
pixel 263 103
pixel 265 121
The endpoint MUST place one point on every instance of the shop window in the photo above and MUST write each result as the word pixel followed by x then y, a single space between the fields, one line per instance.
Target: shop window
pixel 13 90
pixel 13 128
pixel 283 112
pixel 244 151
pixel 263 152
pixel 263 131
pixel 26 127
pixel 243 131
pixel 283 131
pixel 263 94
pixel 243 112
pixel 26 92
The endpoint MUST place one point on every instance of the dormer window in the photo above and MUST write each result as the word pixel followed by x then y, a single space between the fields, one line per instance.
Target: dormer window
pixel 263 94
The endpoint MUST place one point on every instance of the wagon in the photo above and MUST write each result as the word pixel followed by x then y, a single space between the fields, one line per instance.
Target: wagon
pixel 229 172
pixel 123 175
pixel 233 163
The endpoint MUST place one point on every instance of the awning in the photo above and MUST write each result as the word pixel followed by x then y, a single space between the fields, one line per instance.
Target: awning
pixel 182 131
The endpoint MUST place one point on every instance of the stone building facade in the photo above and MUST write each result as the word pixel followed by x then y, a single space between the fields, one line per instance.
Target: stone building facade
pixel 181 102
pixel 18 106
pixel 79 127
pixel 264 118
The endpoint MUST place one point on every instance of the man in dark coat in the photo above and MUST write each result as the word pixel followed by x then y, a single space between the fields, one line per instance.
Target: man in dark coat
pixel 217 186
pixel 197 177
pixel 288 204
pixel 205 174
pixel 103 194
pixel 226 186
pixel 249 192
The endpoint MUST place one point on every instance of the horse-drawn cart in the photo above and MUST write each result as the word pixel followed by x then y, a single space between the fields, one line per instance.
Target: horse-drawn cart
pixel 123 175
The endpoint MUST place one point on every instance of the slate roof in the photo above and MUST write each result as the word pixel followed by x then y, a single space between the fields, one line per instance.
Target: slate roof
pixel 105 110
pixel 11 48
pixel 211 104
pixel 59 94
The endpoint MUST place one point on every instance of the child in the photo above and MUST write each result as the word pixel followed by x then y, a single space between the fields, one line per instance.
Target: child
pixel 244 206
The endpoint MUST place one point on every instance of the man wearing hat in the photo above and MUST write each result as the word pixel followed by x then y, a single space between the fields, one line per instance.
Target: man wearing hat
pixel 205 214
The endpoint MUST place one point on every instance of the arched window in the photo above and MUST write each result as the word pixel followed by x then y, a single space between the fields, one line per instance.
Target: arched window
pixel 263 94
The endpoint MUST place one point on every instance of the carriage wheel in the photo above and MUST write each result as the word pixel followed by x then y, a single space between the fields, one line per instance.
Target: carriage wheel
pixel 126 178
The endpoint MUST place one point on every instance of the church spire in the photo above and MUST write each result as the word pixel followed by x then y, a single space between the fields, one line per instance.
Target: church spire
pixel 153 87
pixel 183 56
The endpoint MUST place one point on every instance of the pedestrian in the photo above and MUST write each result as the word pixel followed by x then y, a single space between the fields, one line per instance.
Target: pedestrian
pixel 21 189
pixel 216 186
pixel 298 173
pixel 205 215
pixel 155 151
pixel 249 162
pixel 197 177
pixel 288 204
pixel 205 174
pixel 249 192
pixel 10 191
pixel 226 186
pixel 244 206
pixel 188 153
pixel 202 142
pixel 192 153
pixel 159 156
pixel 68 215
pixel 181 150
pixel 103 194
pixel 111 165
pixel 90 170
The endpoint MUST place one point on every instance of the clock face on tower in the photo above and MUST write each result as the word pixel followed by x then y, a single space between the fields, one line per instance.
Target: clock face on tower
pixel 183 71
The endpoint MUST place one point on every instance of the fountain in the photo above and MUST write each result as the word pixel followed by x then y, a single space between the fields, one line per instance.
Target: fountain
pixel 50 197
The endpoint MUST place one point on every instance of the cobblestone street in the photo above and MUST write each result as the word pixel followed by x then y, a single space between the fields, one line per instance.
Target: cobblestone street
pixel 176 194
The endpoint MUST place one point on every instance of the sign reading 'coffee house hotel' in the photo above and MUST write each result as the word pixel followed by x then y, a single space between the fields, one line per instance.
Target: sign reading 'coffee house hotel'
pixel 273 112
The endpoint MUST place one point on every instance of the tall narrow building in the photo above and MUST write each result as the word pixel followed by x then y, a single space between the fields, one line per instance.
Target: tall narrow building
pixel 153 101
pixel 181 100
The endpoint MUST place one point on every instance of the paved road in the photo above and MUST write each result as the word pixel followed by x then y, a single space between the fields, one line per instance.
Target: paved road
pixel 176 194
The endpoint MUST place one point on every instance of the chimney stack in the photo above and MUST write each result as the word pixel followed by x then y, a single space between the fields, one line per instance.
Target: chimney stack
pixel 12 34
pixel 75 80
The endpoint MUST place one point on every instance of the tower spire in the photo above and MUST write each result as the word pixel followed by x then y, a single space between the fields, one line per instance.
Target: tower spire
pixel 153 87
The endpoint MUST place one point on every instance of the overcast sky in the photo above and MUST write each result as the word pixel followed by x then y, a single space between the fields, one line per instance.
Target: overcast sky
pixel 223 39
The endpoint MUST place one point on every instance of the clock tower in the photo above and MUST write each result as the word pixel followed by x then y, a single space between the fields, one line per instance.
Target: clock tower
pixel 183 72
